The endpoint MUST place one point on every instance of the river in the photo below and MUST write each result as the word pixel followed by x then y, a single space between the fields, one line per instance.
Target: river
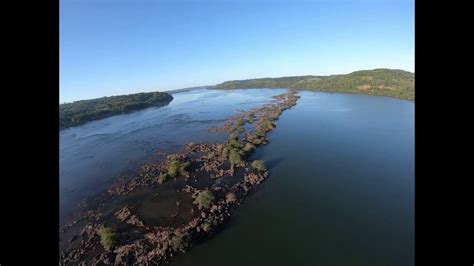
pixel 341 189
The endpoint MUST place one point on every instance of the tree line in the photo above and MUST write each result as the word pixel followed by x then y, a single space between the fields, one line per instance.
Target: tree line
pixel 79 112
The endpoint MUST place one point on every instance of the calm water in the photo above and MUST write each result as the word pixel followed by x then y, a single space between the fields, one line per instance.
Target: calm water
pixel 341 190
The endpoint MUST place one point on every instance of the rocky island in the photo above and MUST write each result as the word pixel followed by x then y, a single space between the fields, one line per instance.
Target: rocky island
pixel 193 192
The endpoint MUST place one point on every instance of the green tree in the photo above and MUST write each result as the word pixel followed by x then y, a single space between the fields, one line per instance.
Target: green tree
pixel 259 165
pixel 108 238
pixel 205 199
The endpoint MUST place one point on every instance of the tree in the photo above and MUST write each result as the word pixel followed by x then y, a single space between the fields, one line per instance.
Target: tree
pixel 205 199
pixel 181 242
pixel 108 238
pixel 234 156
pixel 259 165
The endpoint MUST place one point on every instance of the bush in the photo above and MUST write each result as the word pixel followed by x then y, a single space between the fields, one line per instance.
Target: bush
pixel 234 156
pixel 108 238
pixel 205 199
pixel 190 146
pixel 250 118
pixel 249 147
pixel 259 140
pixel 234 142
pixel 267 124
pixel 206 227
pixel 183 167
pixel 175 167
pixel 225 152
pixel 261 134
pixel 259 165
pixel 181 242
pixel 162 178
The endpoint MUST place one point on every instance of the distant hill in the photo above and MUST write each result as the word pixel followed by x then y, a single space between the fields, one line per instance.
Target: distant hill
pixel 382 82
pixel 80 112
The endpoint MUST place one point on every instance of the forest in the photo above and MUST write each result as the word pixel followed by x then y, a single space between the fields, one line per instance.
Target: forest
pixel 80 112
pixel 382 82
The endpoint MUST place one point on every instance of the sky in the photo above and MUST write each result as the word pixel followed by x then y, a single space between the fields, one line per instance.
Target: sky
pixel 114 47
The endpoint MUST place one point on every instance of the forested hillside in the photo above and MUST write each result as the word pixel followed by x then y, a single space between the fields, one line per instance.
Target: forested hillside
pixel 383 82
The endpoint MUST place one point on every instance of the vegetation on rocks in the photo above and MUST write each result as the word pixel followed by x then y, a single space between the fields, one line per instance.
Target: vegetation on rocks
pixel 250 118
pixel 162 178
pixel 205 199
pixel 181 242
pixel 259 165
pixel 206 227
pixel 235 156
pixel 249 147
pixel 108 238
pixel 234 143
pixel 177 166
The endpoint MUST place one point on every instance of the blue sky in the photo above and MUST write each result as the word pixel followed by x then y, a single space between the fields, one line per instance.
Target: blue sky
pixel 126 46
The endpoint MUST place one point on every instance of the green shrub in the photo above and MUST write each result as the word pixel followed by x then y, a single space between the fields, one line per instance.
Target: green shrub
pixel 225 152
pixel 190 146
pixel 259 165
pixel 250 118
pixel 249 147
pixel 173 168
pixel 184 166
pixel 267 124
pixel 176 166
pixel 206 227
pixel 205 199
pixel 162 178
pixel 181 242
pixel 235 156
pixel 259 140
pixel 108 238
pixel 261 134
pixel 235 143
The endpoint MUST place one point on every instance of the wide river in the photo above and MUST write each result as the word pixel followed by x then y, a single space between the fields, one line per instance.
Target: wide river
pixel 341 189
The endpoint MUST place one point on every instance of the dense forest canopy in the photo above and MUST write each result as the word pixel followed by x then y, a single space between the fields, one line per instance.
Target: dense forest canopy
pixel 384 82
pixel 79 112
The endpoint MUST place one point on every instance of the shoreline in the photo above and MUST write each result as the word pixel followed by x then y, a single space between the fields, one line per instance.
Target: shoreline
pixel 196 188
pixel 395 83
pixel 79 113
pixel 313 90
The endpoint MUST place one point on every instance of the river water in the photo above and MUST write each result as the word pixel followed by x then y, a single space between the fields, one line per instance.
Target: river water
pixel 341 189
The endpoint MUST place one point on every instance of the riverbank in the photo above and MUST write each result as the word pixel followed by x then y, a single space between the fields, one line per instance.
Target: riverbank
pixel 81 112
pixel 379 82
pixel 195 191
